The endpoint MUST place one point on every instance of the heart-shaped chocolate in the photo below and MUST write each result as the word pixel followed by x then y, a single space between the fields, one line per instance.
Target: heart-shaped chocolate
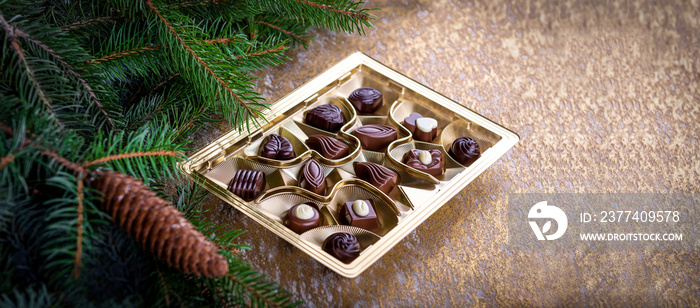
pixel 410 121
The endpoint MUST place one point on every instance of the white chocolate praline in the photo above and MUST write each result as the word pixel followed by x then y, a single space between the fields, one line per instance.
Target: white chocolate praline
pixel 304 211
pixel 426 125
pixel 360 208
pixel 425 157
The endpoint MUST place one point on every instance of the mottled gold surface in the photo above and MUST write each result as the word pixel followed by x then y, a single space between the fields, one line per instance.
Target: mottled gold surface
pixel 605 97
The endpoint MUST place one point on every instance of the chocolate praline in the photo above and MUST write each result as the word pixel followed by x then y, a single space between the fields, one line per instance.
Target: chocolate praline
pixel 247 184
pixel 277 147
pixel 343 246
pixel 311 177
pixel 366 100
pixel 426 129
pixel 300 225
pixel 326 117
pixel 328 147
pixel 410 121
pixel 465 150
pixel 435 167
pixel 355 219
pixel 379 176
pixel 375 137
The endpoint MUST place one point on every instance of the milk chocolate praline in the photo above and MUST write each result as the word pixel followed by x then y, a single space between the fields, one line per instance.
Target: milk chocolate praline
pixel 344 246
pixel 375 137
pixel 435 167
pixel 277 147
pixel 326 117
pixel 465 150
pixel 350 217
pixel 366 100
pixel 312 178
pixel 247 184
pixel 300 225
pixel 328 147
pixel 379 176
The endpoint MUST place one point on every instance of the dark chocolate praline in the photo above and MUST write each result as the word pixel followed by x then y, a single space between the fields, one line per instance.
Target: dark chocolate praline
pixel 465 150
pixel 277 147
pixel 366 100
pixel 300 225
pixel 328 147
pixel 375 137
pixel 435 167
pixel 311 177
pixel 326 117
pixel 344 246
pixel 247 184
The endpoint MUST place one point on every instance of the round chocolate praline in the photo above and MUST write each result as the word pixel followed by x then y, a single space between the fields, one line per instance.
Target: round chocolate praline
pixel 344 246
pixel 366 100
pixel 300 225
pixel 465 150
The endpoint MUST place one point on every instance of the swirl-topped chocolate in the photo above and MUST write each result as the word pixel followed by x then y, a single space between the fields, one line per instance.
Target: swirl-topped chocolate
pixel 428 161
pixel 326 117
pixel 366 100
pixel 329 147
pixel 375 137
pixel 277 147
pixel 344 246
pixel 247 184
pixel 311 177
pixel 465 150
pixel 379 176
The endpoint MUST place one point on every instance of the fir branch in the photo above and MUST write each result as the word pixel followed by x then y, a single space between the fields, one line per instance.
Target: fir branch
pixel 162 83
pixel 198 58
pixel 63 161
pixel 222 40
pixel 131 155
pixel 252 290
pixel 83 23
pixel 283 31
pixel 120 54
pixel 12 33
pixel 348 13
pixel 79 238
pixel 59 59
pixel 164 286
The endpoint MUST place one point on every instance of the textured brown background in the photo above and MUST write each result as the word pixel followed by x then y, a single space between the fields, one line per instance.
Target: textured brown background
pixel 605 97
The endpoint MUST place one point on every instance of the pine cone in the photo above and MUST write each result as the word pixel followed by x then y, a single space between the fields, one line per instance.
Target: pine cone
pixel 157 226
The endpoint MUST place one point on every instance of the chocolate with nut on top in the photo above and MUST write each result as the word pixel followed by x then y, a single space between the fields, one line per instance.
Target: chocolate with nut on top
pixel 247 184
pixel 277 147
pixel 359 213
pixel 344 246
pixel 428 161
pixel 326 117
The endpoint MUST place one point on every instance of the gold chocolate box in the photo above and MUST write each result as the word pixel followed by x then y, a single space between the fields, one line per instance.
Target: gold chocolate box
pixel 417 194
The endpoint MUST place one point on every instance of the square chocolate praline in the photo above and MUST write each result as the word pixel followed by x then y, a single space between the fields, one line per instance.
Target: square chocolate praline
pixel 368 222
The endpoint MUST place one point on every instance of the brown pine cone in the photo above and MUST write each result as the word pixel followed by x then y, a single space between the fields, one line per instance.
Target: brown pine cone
pixel 157 226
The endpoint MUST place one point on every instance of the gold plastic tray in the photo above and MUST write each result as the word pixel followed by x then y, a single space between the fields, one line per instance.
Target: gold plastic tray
pixel 415 198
